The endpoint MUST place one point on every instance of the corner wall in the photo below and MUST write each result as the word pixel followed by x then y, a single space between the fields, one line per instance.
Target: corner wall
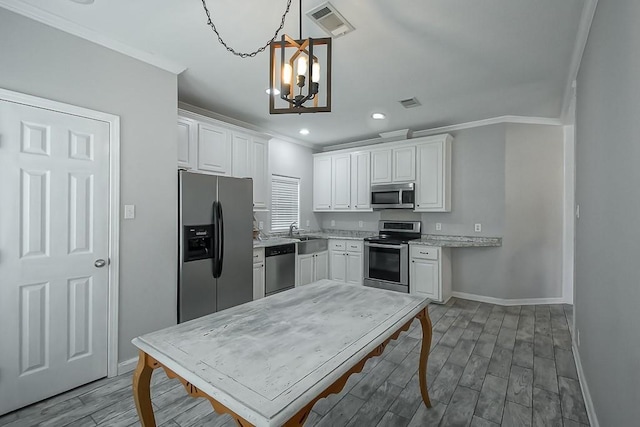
pixel 41 61
pixel 607 289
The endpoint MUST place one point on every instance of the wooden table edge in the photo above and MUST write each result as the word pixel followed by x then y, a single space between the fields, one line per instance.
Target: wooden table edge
pixel 147 364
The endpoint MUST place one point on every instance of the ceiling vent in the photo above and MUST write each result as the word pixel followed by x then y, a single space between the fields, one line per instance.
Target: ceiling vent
pixel 410 102
pixel 329 19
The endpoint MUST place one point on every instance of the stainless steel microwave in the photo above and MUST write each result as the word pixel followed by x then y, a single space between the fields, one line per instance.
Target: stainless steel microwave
pixel 393 196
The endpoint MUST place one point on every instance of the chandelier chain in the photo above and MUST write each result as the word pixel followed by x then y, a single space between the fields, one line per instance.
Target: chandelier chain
pixel 232 50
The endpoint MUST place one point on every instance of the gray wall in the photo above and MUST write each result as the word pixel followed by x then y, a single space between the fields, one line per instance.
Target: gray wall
pixel 48 63
pixel 607 290
pixel 509 179
pixel 294 161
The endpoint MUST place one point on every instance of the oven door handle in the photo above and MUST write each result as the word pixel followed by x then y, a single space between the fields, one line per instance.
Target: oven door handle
pixel 378 245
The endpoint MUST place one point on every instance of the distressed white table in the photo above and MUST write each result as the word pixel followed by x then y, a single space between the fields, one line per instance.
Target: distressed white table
pixel 267 362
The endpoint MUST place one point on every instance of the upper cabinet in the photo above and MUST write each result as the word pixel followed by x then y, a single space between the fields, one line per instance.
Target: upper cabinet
pixel 187 143
pixel 393 165
pixel 341 182
pixel 361 180
pixel 433 183
pixel 322 183
pixel 210 146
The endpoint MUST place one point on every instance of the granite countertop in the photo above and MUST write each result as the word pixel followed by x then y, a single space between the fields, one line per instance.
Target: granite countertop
pixel 457 241
pixel 281 239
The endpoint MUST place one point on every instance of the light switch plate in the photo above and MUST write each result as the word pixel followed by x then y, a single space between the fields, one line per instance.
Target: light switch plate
pixel 129 211
pixel 308 223
pixel 478 228
pixel 261 225
pixel 333 222
pixel 360 224
pixel 438 226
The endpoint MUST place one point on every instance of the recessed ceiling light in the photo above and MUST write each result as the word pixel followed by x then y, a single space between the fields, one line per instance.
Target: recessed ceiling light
pixel 304 131
pixel 275 91
pixel 378 116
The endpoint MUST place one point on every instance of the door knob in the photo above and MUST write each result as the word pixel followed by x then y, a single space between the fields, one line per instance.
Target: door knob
pixel 100 263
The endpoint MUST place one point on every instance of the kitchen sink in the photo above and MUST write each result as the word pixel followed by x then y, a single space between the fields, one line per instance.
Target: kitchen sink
pixel 312 244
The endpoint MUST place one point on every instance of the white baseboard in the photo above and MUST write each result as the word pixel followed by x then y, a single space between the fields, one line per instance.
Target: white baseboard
pixel 127 366
pixel 586 395
pixel 501 301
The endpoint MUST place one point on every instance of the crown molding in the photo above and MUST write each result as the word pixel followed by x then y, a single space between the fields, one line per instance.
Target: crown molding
pixel 77 30
pixel 452 128
pixel 230 120
pixel 586 19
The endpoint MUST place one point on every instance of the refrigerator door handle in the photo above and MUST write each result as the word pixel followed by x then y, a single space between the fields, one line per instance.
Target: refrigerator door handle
pixel 216 237
pixel 220 240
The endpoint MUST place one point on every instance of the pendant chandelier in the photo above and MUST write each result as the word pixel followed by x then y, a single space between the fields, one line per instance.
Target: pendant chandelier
pixel 306 91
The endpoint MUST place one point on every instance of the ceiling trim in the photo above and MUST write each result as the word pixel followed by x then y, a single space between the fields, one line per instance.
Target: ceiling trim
pixel 230 120
pixel 67 26
pixel 452 128
pixel 586 19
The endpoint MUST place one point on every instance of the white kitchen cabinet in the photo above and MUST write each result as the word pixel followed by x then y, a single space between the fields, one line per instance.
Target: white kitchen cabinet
pixel 214 149
pixel 346 261
pixel 430 272
pixel 187 143
pixel 311 268
pixel 322 183
pixel 361 180
pixel 259 172
pixel 241 155
pixel 433 184
pixel 258 273
pixel 341 182
pixel 381 166
pixel 404 164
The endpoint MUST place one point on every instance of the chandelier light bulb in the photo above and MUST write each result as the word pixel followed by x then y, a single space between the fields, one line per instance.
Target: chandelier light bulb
pixel 315 72
pixel 302 65
pixel 286 73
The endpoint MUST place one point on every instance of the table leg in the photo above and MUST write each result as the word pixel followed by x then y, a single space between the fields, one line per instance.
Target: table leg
pixel 142 391
pixel 425 322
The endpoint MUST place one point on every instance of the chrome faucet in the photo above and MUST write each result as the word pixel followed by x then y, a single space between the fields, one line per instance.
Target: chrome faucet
pixel 292 228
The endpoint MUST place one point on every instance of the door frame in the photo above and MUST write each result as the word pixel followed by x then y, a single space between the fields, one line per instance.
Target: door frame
pixel 114 205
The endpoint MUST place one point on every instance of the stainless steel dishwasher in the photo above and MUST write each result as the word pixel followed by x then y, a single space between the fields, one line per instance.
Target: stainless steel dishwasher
pixel 280 268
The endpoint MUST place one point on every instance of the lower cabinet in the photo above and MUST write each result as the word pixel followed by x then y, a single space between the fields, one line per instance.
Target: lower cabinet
pixel 258 273
pixel 346 261
pixel 312 267
pixel 430 272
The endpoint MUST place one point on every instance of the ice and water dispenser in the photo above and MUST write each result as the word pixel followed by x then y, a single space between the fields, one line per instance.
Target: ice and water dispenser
pixel 198 242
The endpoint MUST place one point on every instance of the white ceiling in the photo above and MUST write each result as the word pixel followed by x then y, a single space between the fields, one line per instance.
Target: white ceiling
pixel 465 60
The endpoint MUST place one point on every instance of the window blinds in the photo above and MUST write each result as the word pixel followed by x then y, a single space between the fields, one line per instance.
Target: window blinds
pixel 285 202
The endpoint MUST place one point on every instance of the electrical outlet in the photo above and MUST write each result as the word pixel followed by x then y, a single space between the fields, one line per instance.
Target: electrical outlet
pixel 333 222
pixel 360 224
pixel 308 223
pixel 438 226
pixel 478 228
pixel 129 211
pixel 261 225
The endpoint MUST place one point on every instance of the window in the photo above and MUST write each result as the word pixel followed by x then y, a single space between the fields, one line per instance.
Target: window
pixel 285 202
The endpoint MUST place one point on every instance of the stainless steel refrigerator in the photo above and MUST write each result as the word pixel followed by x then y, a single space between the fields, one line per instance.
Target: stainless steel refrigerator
pixel 216 243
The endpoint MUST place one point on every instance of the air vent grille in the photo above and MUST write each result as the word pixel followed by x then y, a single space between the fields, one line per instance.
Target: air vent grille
pixel 410 102
pixel 329 19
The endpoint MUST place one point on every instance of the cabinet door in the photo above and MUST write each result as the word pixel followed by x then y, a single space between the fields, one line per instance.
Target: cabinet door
pixel 341 181
pixel 424 278
pixel 361 181
pixel 214 149
pixel 241 152
pixel 258 281
pixel 321 266
pixel 429 196
pixel 381 166
pixel 187 145
pixel 338 266
pixel 259 156
pixel 404 164
pixel 322 183
pixel 305 269
pixel 354 268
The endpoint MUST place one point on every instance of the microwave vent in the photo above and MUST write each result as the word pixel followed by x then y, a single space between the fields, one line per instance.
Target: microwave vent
pixel 329 19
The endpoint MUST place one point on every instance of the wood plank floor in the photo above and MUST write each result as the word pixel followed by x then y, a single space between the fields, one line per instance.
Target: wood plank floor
pixel 489 365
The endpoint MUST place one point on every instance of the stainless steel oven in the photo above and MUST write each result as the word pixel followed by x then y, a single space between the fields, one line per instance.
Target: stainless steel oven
pixel 386 256
pixel 393 196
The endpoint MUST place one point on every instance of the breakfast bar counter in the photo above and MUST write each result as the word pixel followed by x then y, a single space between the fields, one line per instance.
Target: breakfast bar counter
pixel 267 362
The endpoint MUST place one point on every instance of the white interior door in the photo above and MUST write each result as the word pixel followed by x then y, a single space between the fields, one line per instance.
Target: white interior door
pixel 54 225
